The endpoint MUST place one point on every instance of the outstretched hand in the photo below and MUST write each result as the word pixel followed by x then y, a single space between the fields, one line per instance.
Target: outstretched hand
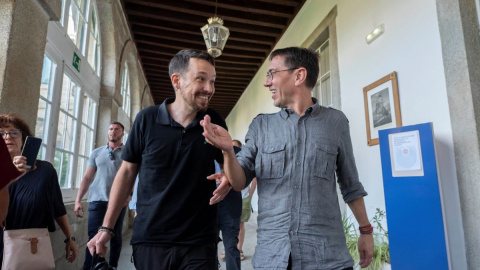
pixel 223 188
pixel 216 135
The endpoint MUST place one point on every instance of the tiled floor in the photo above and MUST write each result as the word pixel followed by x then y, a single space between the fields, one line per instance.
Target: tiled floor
pixel 248 248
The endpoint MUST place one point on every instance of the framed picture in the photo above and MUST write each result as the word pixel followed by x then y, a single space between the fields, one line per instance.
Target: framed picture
pixel 382 106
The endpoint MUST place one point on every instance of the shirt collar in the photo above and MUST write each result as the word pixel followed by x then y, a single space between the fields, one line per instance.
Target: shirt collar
pixel 119 147
pixel 164 118
pixel 313 110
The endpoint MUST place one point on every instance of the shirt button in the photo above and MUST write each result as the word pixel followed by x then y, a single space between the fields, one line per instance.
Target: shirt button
pixel 298 163
pixel 299 141
pixel 291 232
pixel 295 210
pixel 296 187
pixel 271 148
pixel 184 131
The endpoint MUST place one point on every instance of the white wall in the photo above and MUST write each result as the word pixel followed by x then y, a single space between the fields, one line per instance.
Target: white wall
pixel 410 46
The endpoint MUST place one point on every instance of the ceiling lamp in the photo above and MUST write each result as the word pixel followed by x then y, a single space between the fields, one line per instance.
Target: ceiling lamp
pixel 215 35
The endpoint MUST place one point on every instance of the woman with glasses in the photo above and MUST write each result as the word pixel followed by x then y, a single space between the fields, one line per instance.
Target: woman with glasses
pixel 35 198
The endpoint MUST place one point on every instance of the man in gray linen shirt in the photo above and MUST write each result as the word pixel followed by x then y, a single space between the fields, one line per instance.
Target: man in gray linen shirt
pixel 102 167
pixel 294 154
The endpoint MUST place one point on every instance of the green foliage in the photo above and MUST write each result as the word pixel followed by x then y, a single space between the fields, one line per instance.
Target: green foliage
pixel 381 254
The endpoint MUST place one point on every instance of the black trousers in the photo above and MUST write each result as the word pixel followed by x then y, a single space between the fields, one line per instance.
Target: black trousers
pixel 202 257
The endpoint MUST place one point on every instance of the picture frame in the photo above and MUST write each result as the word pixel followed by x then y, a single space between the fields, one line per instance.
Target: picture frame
pixel 382 106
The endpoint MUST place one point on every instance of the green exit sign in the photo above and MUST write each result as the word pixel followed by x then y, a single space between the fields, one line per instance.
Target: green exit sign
pixel 76 61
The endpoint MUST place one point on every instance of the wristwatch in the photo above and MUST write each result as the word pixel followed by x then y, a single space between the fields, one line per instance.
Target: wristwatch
pixel 68 239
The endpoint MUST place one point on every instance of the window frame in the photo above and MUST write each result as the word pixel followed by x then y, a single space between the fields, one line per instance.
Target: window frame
pixel 60 49
pixel 125 91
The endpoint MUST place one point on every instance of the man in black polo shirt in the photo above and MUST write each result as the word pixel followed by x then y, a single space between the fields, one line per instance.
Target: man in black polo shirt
pixel 176 223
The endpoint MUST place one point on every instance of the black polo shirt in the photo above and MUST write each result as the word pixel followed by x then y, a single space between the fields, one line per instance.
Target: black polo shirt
pixel 173 192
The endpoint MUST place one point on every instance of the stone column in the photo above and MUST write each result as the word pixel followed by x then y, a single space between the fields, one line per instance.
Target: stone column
pixel 110 97
pixel 23 35
pixel 459 32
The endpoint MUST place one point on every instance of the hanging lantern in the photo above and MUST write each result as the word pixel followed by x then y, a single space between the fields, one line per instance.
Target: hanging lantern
pixel 215 35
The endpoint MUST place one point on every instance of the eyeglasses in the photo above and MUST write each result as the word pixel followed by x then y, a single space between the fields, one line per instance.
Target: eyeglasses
pixel 270 73
pixel 110 155
pixel 13 134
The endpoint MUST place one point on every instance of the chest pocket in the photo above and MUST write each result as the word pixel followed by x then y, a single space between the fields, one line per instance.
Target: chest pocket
pixel 325 161
pixel 272 161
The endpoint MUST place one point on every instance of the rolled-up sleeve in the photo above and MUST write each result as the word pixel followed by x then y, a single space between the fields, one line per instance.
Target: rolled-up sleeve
pixel 347 174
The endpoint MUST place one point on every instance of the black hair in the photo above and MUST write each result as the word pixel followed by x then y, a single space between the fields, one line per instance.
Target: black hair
pixel 296 57
pixel 181 60
pixel 117 123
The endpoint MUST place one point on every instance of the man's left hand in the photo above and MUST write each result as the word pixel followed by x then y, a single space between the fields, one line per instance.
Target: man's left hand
pixel 365 249
pixel 71 251
pixel 223 188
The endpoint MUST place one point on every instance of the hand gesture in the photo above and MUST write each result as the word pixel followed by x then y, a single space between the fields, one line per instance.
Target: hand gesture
pixel 223 188
pixel 78 209
pixel 71 251
pixel 216 135
pixel 365 249
pixel 98 243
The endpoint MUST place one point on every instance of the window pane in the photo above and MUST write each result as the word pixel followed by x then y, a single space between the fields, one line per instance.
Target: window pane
pixel 69 134
pixel 69 91
pixel 125 91
pixel 93 44
pixel 82 4
pixel 63 170
pixel 324 59
pixel 82 162
pixel 62 123
pixel 83 137
pixel 76 25
pixel 42 152
pixel 65 132
pixel 326 92
pixel 42 118
pixel 48 76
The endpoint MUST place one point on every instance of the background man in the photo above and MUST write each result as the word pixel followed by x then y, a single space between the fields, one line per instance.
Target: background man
pixel 102 167
pixel 176 223
pixel 294 154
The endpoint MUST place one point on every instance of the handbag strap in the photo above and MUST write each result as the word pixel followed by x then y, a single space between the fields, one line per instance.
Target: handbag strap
pixel 98 263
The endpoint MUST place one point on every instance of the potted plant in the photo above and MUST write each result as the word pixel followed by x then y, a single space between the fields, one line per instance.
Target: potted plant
pixel 381 254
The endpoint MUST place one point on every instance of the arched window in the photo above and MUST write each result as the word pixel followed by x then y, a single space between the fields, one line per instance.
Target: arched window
pixel 125 90
pixel 70 92
pixel 93 53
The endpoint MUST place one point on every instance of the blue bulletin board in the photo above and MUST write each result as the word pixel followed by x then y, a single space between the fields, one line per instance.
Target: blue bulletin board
pixel 412 198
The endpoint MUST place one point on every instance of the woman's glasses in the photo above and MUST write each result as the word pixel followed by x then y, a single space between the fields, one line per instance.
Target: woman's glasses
pixel 13 134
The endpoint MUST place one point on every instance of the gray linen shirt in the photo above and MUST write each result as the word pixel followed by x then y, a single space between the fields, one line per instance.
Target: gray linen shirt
pixel 295 159
pixel 106 171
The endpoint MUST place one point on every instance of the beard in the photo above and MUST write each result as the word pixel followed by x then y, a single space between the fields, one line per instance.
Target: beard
pixel 113 139
pixel 193 104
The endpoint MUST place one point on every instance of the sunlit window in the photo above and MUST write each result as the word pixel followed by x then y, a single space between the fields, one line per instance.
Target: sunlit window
pixel 93 53
pixel 323 88
pixel 77 22
pixel 125 91
pixel 45 103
